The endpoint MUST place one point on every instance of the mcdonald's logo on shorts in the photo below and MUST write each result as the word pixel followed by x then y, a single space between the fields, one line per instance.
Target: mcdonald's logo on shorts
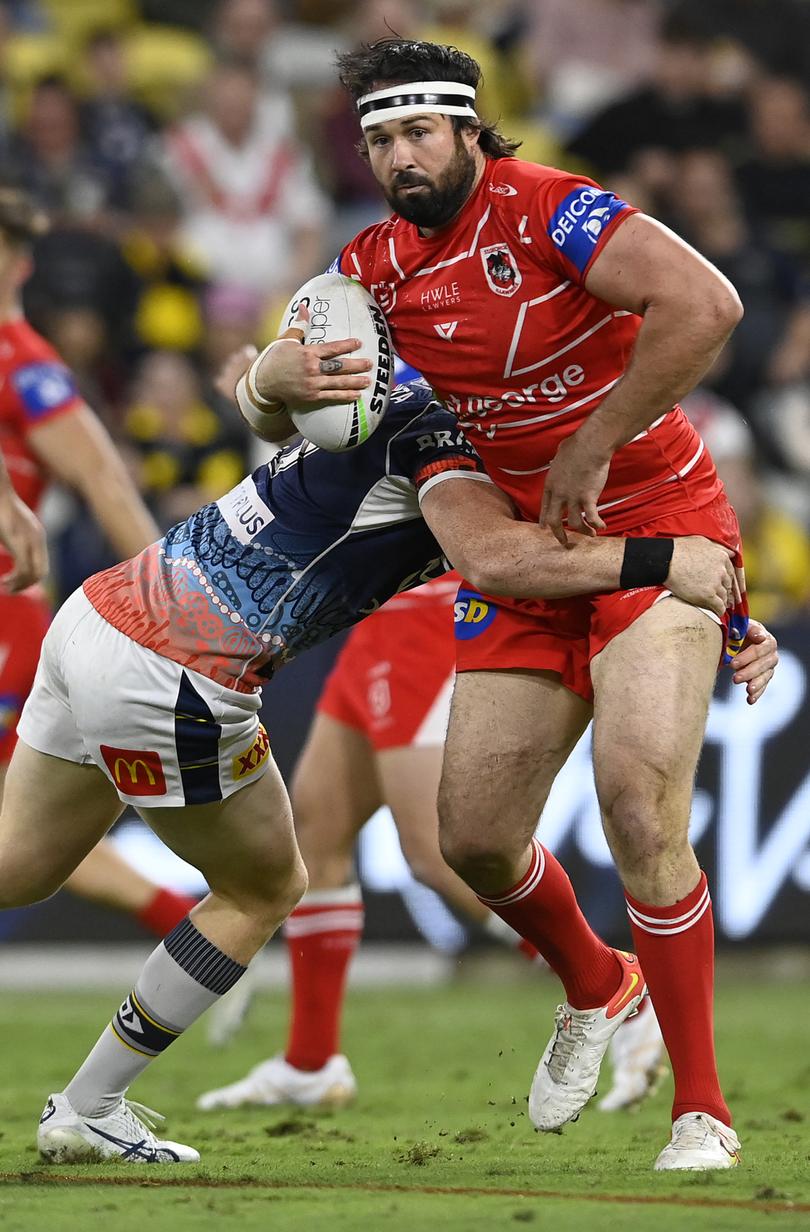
pixel 135 772
pixel 472 614
pixel 248 762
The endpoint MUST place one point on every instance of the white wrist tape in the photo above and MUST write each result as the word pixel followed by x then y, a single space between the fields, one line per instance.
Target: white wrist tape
pixel 257 410
pixel 274 404
pixel 258 417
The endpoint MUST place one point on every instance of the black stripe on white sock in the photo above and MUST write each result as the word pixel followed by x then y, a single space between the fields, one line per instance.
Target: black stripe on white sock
pixel 201 959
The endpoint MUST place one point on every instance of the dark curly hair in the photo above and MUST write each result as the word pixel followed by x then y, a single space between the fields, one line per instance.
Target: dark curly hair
pixel 396 61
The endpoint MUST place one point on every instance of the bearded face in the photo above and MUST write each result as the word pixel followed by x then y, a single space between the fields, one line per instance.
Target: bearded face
pixel 429 201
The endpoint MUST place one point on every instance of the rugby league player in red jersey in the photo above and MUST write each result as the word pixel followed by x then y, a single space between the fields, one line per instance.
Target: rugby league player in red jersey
pixel 562 326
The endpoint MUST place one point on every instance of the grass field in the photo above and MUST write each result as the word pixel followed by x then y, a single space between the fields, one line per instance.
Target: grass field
pixel 439 1137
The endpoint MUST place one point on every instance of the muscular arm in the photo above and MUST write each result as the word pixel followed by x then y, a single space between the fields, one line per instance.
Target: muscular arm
pixel 476 527
pixel 688 308
pixel 77 450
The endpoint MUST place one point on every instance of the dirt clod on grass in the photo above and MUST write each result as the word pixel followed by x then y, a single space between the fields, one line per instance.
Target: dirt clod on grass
pixel 419 1154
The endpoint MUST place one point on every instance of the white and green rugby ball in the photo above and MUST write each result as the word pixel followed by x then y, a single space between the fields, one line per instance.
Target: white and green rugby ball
pixel 339 308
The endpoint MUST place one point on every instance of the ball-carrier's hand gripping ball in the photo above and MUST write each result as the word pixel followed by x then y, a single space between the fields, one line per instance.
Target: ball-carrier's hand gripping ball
pixel 338 308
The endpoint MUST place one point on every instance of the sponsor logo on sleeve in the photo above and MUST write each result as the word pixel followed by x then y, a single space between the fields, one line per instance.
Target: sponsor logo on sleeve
pixel 43 387
pixel 248 762
pixel 580 219
pixel 244 511
pixel 135 772
pixel 501 269
pixel 472 615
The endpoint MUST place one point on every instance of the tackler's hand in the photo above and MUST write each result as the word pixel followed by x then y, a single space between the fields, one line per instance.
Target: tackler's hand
pixel 756 662
pixel 701 573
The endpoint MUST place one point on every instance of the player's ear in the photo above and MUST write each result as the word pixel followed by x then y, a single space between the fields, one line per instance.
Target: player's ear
pixel 471 136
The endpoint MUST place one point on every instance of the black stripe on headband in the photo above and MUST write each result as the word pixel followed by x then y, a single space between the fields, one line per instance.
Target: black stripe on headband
pixel 417 100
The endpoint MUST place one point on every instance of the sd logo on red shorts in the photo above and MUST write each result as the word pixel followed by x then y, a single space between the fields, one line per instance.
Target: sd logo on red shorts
pixel 472 614
pixel 135 772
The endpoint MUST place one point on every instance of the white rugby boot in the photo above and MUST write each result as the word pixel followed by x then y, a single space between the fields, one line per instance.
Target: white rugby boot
pixel 567 1074
pixel 65 1137
pixel 637 1055
pixel 277 1082
pixel 699 1143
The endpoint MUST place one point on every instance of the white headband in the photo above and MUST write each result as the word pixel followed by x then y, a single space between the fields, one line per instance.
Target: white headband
pixel 414 98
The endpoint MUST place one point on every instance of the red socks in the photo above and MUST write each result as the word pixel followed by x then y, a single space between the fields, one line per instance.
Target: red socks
pixel 164 911
pixel 322 935
pixel 542 907
pixel 675 946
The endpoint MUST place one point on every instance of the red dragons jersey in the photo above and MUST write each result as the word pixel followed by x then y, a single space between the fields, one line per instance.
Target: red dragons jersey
pixel 35 386
pixel 493 312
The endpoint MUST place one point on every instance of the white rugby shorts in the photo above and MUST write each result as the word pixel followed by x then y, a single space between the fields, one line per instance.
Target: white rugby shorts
pixel 163 734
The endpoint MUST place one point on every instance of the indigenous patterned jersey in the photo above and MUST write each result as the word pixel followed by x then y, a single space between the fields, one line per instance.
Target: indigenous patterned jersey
pixel 35 386
pixel 493 312
pixel 304 547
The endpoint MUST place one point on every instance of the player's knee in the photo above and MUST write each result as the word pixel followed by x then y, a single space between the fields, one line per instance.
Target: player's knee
pixel 295 888
pixel 475 857
pixel 265 895
pixel 289 889
pixel 628 798
pixel 641 816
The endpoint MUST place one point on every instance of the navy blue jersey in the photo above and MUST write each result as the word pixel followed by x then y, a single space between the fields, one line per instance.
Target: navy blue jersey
pixel 304 547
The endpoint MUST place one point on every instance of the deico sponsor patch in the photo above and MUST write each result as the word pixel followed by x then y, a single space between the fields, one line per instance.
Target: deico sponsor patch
pixel 43 387
pixel 580 219
pixel 248 762
pixel 472 614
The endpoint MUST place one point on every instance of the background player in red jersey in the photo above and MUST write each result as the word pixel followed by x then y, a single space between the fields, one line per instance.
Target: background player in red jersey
pixel 562 326
pixel 47 431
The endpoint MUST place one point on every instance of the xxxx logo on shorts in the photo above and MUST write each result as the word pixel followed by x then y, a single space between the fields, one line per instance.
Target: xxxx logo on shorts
pixel 472 614
pixel 249 761
pixel 135 772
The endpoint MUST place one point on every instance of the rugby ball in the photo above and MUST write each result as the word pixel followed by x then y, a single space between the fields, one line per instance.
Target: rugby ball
pixel 339 308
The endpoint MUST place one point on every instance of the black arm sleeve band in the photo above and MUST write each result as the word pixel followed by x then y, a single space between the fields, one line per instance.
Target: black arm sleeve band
pixel 646 562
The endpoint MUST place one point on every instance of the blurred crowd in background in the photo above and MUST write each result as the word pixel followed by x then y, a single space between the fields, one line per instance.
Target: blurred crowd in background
pixel 197 159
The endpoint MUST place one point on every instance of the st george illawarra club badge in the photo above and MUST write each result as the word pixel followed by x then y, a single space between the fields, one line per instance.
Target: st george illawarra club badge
pixel 501 269
pixel 385 294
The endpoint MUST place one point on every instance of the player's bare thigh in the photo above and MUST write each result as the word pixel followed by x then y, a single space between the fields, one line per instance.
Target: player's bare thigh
pixel 245 848
pixel 652 685
pixel 53 812
pixel 334 791
pixel 509 734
